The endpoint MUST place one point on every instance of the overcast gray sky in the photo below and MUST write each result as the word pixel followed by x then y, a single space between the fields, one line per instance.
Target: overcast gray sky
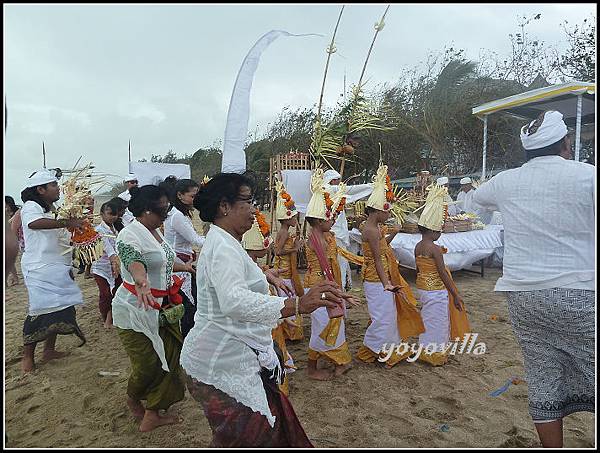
pixel 87 78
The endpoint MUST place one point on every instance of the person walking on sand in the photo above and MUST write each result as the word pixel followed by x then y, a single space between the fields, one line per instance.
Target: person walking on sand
pixel 53 293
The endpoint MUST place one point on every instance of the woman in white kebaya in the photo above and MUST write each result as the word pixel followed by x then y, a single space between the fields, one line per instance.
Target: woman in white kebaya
pixel 229 357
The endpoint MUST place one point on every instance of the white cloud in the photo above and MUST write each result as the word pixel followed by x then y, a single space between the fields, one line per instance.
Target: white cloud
pixel 141 110
pixel 88 78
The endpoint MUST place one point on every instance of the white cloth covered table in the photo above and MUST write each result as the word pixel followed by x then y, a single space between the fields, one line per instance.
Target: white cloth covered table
pixel 464 249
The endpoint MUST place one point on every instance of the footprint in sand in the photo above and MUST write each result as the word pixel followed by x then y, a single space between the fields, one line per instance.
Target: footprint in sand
pixel 445 409
pixel 24 397
pixel 517 440
pixel 32 408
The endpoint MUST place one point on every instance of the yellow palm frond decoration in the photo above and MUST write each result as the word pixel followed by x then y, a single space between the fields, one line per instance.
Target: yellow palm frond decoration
pixel 403 206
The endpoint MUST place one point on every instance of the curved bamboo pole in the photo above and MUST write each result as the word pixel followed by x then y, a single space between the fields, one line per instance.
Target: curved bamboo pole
pixel 378 27
pixel 330 50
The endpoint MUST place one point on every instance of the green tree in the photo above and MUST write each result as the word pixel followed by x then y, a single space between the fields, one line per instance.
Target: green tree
pixel 578 62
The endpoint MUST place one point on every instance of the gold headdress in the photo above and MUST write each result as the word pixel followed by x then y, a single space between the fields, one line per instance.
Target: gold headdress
pixel 382 197
pixel 259 236
pixel 434 212
pixel 285 208
pixel 321 204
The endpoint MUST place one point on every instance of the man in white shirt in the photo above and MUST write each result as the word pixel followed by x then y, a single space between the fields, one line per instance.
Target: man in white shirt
pixel 465 196
pixel 130 182
pixel 547 207
pixel 332 179
pixel 452 207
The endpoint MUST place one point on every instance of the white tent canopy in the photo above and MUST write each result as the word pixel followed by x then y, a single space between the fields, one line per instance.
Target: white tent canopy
pixel 575 100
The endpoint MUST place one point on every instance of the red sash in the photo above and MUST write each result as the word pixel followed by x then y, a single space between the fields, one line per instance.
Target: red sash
pixel 172 293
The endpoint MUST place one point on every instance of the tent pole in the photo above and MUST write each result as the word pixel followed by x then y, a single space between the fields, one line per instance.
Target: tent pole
pixel 485 118
pixel 578 128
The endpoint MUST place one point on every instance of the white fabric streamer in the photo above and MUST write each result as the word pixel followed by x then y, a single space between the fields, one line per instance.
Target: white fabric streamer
pixel 236 129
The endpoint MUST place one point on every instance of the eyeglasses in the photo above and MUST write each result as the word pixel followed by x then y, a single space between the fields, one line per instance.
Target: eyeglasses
pixel 250 200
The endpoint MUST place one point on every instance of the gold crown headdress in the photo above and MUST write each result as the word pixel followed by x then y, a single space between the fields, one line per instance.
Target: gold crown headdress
pixel 434 211
pixel 259 236
pixel 285 208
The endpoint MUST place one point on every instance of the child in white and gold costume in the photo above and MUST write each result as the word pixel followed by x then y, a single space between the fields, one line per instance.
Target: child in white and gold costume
pixel 392 306
pixel 328 336
pixel 287 246
pixel 442 308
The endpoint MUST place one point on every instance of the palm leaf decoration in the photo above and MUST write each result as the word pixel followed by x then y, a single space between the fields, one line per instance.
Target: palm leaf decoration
pixel 358 117
pixel 404 205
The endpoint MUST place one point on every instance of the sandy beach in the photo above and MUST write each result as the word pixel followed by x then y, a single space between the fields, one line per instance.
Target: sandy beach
pixel 68 403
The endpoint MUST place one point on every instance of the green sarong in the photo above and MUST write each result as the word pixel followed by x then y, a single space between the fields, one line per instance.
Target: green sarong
pixel 148 381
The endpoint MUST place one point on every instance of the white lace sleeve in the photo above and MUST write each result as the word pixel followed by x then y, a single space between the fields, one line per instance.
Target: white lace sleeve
pixel 227 275
pixel 185 229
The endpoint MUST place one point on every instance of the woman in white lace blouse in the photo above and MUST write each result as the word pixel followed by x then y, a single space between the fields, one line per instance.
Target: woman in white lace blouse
pixel 148 329
pixel 229 357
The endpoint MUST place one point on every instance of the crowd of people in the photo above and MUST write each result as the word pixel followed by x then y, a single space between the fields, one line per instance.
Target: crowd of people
pixel 217 321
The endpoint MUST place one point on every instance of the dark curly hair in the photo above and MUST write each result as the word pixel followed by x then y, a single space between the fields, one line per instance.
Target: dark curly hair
pixel 145 198
pixel 222 187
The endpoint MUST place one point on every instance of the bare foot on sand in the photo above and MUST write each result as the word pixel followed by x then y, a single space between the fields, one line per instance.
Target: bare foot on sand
pixel 136 408
pixel 341 369
pixel 109 321
pixel 27 365
pixel 153 420
pixel 52 355
pixel 320 375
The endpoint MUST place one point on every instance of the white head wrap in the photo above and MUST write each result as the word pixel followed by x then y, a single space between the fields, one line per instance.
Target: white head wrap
pixel 442 180
pixel 552 129
pixel 466 180
pixel 40 178
pixel 131 177
pixel 330 175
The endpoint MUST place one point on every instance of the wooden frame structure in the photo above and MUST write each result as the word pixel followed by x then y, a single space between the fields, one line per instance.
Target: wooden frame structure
pixel 293 160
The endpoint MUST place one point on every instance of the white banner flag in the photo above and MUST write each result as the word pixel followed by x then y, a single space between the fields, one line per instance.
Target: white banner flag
pixel 236 129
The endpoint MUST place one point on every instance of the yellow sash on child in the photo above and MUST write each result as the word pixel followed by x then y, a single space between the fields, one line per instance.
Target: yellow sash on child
pixel 408 315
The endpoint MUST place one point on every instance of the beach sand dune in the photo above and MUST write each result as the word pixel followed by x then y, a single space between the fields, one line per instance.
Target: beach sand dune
pixel 68 403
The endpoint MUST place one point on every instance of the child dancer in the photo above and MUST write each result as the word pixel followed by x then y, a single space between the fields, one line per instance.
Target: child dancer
pixel 106 269
pixel 328 336
pixel 287 246
pixel 392 306
pixel 442 309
